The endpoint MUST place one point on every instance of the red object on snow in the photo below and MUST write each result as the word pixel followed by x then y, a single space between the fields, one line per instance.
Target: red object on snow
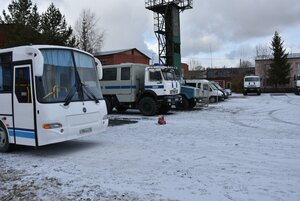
pixel 161 120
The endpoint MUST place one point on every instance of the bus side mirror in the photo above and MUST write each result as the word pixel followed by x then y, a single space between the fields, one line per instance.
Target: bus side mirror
pixel 37 59
pixel 99 69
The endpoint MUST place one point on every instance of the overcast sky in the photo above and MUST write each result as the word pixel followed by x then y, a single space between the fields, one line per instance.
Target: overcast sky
pixel 214 33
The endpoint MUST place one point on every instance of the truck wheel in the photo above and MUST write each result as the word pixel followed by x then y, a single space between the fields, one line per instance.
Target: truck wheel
pixel 258 93
pixel 184 105
pixel 4 141
pixel 192 104
pixel 164 109
pixel 108 105
pixel 148 106
pixel 245 93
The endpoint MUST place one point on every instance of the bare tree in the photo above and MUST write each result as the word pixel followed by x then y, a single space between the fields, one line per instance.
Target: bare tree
pixel 263 51
pixel 89 36
pixel 245 64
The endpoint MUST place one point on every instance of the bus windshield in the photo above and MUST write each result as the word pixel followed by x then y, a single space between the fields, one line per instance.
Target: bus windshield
pixel 68 75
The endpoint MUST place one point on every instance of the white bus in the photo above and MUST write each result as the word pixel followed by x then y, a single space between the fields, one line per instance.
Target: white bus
pixel 49 94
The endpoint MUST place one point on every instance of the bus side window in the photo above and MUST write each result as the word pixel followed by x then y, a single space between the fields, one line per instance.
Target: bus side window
pixel 1 78
pixel 22 85
pixel 5 72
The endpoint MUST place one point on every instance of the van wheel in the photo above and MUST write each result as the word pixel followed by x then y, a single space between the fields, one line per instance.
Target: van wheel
pixel 258 93
pixel 212 99
pixel 108 105
pixel 147 106
pixel 4 141
pixel 184 105
pixel 121 108
pixel 245 93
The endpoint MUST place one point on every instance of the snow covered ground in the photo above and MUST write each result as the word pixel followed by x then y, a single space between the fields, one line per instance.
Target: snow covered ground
pixel 246 148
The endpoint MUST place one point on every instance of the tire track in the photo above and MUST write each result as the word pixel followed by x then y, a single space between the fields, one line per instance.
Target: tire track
pixel 271 114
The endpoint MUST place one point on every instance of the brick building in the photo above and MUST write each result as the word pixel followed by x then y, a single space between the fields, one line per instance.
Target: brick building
pixel 225 76
pixel 122 56
pixel 262 65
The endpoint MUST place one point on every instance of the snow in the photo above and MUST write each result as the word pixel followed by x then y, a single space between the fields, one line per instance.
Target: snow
pixel 246 148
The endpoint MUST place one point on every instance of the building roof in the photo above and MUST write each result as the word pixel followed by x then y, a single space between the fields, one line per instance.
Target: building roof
pixel 106 53
pixel 268 57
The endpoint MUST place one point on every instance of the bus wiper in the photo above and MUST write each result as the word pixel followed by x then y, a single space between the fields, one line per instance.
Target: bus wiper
pixel 89 94
pixel 70 95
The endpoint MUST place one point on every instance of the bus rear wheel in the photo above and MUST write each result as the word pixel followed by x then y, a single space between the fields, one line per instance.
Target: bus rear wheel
pixel 4 141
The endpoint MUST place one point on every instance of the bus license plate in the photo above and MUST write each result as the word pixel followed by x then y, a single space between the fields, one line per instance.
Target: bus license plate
pixel 85 130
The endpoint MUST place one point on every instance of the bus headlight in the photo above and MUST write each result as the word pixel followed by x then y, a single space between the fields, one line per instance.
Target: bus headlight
pixel 52 125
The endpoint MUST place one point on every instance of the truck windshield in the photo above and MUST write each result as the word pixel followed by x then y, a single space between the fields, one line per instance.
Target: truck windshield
pixel 252 79
pixel 169 74
pixel 67 71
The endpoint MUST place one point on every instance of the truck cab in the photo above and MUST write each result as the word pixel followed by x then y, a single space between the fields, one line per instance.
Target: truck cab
pixel 252 85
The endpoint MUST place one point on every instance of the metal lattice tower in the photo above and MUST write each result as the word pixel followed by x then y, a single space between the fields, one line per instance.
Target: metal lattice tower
pixel 167 29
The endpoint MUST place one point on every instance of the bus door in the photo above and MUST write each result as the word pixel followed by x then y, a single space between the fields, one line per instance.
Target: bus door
pixel 23 108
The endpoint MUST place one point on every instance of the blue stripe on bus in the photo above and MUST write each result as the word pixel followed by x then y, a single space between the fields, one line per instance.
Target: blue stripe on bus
pixel 120 87
pixel 23 133
pixel 154 87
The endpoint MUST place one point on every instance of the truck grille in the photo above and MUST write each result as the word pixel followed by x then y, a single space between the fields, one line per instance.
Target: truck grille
pixel 173 91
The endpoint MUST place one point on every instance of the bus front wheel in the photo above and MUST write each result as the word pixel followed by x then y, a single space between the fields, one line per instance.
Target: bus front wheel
pixel 4 141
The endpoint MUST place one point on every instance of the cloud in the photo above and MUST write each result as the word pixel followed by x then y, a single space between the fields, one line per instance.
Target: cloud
pixel 221 27
pixel 234 21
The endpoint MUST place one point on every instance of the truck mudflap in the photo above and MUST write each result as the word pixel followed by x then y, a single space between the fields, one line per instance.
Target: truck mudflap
pixel 171 99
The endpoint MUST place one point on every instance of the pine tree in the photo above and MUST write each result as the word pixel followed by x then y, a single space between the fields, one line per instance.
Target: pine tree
pixel 54 28
pixel 23 23
pixel 280 68
pixel 27 26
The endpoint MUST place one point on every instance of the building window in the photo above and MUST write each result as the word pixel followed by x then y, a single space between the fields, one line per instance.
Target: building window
pixel 125 73
pixel 267 66
pixel 109 74
pixel 298 65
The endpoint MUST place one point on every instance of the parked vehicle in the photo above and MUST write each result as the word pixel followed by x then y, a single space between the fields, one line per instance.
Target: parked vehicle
pixel 252 85
pixel 207 89
pixel 190 96
pixel 151 89
pixel 49 94
pixel 297 84
pixel 229 92
pixel 221 89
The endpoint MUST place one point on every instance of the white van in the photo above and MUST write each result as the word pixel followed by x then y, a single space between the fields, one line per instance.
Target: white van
pixel 207 89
